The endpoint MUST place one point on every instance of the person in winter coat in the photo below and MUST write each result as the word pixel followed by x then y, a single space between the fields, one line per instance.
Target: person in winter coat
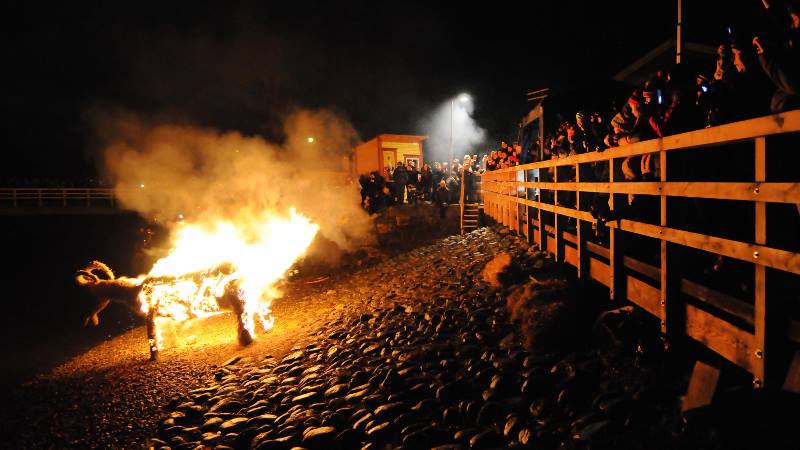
pixel 400 182
pixel 440 198
pixel 426 177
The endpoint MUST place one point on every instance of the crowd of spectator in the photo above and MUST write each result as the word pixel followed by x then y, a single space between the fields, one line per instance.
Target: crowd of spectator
pixel 506 156
pixel 754 74
pixel 439 184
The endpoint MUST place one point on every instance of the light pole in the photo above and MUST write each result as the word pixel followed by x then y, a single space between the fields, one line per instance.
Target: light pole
pixel 463 99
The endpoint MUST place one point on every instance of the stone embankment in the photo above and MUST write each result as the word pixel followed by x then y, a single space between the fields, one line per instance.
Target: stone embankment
pixel 435 361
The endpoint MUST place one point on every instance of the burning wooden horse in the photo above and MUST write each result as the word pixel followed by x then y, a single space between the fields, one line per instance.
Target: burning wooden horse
pixel 179 298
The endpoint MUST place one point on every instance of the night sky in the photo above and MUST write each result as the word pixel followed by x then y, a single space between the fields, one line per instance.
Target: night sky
pixel 242 66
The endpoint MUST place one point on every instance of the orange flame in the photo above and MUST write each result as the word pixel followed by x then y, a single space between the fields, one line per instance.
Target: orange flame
pixel 251 255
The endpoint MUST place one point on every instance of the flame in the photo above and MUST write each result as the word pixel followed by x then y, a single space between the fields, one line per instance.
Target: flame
pixel 208 260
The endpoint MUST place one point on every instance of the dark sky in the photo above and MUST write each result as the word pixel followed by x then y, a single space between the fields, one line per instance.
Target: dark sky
pixel 242 66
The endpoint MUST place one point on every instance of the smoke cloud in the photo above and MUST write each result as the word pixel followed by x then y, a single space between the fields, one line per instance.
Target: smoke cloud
pixel 167 172
pixel 467 135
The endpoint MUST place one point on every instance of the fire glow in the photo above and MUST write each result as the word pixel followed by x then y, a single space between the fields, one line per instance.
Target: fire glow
pixel 209 259
pixel 213 266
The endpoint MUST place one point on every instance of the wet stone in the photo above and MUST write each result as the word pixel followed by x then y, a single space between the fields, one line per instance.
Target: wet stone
pixel 388 409
pixel 307 398
pixel 212 423
pixel 417 439
pixel 486 439
pixel 281 443
pixel 322 437
pixel 466 434
pixel 233 424
pixel 226 405
pixel 378 431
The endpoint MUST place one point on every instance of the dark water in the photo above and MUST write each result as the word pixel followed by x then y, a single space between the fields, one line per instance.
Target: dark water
pixel 43 310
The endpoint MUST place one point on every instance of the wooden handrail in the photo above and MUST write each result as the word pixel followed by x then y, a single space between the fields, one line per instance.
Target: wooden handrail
pixel 764 191
pixel 751 348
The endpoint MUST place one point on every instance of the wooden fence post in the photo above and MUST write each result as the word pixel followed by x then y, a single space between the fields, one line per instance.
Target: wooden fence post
pixel 558 251
pixel 581 233
pixel 615 250
pixel 540 217
pixel 761 341
pixel 665 309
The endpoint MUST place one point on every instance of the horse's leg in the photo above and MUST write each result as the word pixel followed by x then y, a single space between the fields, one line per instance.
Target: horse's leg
pixel 245 338
pixel 231 300
pixel 152 335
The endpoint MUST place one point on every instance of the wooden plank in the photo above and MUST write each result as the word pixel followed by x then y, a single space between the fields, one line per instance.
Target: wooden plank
pixel 597 249
pixel 788 122
pixel 569 212
pixel 652 272
pixel 600 272
pixel 702 385
pixel 644 295
pixel 568 237
pixel 719 300
pixel 729 341
pixel 766 192
pixel 766 256
pixel 571 256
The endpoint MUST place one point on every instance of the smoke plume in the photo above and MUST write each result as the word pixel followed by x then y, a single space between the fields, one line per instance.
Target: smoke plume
pixel 452 120
pixel 169 172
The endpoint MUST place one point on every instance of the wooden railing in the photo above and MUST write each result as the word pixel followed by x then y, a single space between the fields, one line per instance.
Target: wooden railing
pixel 56 197
pixel 756 332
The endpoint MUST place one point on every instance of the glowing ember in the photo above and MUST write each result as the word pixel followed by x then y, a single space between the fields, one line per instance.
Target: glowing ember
pixel 211 261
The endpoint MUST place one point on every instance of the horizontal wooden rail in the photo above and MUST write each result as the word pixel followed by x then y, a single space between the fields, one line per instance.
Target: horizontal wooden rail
pixel 762 192
pixel 744 333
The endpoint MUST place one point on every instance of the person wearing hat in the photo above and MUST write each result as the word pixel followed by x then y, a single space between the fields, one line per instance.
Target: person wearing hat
pixel 590 131
pixel 635 126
